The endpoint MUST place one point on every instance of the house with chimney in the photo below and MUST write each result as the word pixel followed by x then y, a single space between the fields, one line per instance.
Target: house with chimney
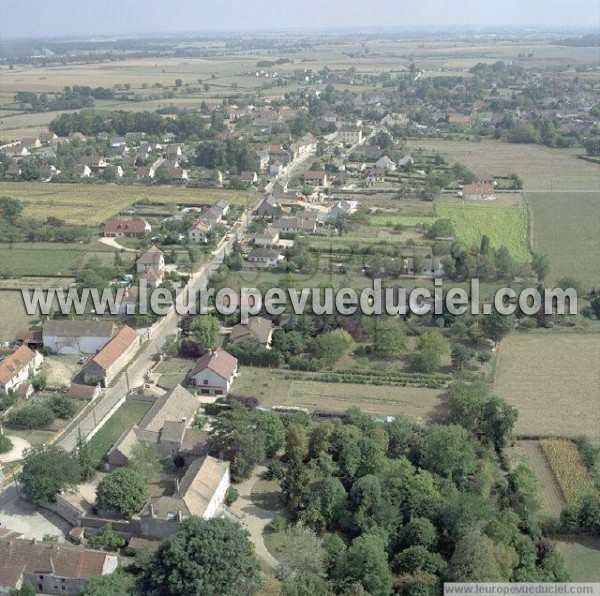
pixel 126 228
pixel 52 567
pixel 214 372
pixel 167 427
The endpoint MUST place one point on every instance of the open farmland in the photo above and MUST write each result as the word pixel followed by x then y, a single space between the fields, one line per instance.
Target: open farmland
pixel 573 246
pixel 505 226
pixel 541 168
pixel 571 474
pixel 92 204
pixel 274 388
pixel 552 379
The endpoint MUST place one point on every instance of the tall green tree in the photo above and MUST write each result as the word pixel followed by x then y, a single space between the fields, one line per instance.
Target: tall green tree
pixel 205 558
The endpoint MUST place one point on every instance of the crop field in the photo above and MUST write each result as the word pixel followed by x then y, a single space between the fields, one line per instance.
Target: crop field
pixel 541 168
pixel 582 557
pixel 571 474
pixel 551 498
pixel 278 388
pixel 573 246
pixel 92 204
pixel 550 379
pixel 505 226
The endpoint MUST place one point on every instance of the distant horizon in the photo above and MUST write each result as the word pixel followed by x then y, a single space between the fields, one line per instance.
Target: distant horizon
pixel 67 19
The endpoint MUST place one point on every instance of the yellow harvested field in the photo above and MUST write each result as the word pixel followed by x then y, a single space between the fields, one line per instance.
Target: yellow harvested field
pixel 92 204
pixel 552 378
pixel 570 472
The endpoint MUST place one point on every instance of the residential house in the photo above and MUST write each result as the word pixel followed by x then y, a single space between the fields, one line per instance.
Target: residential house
pixel 268 207
pixel 478 191
pixel 249 177
pixel 81 171
pixel 113 357
pixel 257 328
pixel 315 178
pixel 280 187
pixel 276 168
pixel 52 567
pixel 126 228
pixel 214 372
pixel 295 225
pixel 64 336
pixel 350 134
pixel 153 259
pixel 263 257
pixel 373 175
pixel 200 493
pixel 166 426
pixel 386 164
pixel 198 233
pixel 268 237
pixel 17 367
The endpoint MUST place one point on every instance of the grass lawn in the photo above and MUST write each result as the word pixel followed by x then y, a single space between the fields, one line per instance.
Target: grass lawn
pixel 130 413
pixel 582 557
pixel 552 378
pixel 505 226
pixel 566 228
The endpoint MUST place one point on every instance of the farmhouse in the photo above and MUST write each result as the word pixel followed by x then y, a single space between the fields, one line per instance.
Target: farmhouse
pixel 153 259
pixel 126 228
pixel 201 493
pixel 263 257
pixel 52 568
pixel 113 357
pixel 166 426
pixel 268 237
pixel 315 178
pixel 214 372
pixel 198 233
pixel 17 367
pixel 385 163
pixel 268 207
pixel 258 328
pixel 479 192
pixel 77 337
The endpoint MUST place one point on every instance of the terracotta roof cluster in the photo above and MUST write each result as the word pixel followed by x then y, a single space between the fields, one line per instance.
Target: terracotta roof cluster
pixel 219 361
pixel 13 364
pixel 109 354
pixel 47 558
pixel 129 226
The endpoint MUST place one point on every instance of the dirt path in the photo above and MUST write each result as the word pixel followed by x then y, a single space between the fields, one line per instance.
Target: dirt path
pixel 112 242
pixel 253 518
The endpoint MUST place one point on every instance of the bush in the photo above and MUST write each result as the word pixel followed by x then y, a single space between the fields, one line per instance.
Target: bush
pixel 33 416
pixel 62 406
pixel 5 444
pixel 231 496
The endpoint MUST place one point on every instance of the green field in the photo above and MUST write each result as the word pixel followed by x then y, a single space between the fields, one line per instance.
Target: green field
pixel 566 228
pixel 505 226
pixel 124 418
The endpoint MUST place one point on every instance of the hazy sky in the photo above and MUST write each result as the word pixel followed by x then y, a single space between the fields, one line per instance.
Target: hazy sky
pixel 24 18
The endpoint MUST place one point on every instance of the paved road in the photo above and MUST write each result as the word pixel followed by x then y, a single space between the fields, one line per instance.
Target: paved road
pixel 135 372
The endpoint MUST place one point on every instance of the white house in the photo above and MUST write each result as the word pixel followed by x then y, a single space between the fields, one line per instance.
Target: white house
pixel 77 337
pixel 17 367
pixel 214 372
